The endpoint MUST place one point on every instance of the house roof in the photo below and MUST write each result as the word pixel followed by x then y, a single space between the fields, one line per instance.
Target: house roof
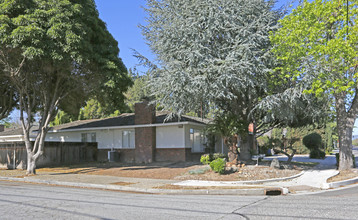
pixel 126 119
pixel 14 131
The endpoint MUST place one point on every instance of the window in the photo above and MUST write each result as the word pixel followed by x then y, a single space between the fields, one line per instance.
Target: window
pixel 127 139
pixel 197 140
pixel 88 137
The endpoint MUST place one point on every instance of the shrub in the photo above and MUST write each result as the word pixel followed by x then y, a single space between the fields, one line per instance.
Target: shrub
pixel 312 141
pixel 218 165
pixel 205 159
pixel 317 154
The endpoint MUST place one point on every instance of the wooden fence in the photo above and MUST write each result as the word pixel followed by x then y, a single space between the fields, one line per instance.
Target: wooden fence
pixel 55 153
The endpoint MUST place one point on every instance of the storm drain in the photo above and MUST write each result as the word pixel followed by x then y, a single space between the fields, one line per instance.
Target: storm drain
pixel 273 192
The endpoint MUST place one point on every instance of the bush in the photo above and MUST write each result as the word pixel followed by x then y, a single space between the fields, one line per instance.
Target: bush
pixel 312 141
pixel 205 159
pixel 218 165
pixel 317 154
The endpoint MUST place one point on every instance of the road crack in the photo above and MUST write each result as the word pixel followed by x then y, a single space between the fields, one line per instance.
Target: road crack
pixel 235 212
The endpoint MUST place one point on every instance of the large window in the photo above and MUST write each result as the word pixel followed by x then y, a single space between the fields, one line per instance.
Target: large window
pixel 88 137
pixel 127 139
pixel 197 140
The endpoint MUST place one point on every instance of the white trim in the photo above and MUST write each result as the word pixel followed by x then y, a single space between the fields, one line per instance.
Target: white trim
pixel 11 136
pixel 184 133
pixel 126 127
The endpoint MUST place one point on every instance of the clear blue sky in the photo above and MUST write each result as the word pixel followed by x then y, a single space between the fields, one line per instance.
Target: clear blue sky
pixel 122 18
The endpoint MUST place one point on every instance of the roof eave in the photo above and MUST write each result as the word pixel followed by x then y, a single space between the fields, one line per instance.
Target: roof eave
pixel 127 126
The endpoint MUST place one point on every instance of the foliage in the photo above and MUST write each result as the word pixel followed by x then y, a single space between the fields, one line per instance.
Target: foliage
pixel 138 91
pixel 53 52
pixel 314 143
pixel 208 158
pixel 317 154
pixel 355 142
pixel 205 159
pixel 92 110
pixel 61 118
pixel 212 55
pixel 284 146
pixel 6 122
pixel 317 48
pixel 8 98
pixel 218 165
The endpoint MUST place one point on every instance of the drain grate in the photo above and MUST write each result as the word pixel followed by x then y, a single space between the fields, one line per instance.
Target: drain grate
pixel 273 192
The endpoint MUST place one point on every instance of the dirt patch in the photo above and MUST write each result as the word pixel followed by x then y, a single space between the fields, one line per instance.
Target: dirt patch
pixel 171 171
pixel 149 171
pixel 244 174
pixel 344 175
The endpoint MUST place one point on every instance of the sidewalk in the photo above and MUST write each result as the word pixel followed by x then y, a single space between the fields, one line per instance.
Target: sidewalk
pixel 307 181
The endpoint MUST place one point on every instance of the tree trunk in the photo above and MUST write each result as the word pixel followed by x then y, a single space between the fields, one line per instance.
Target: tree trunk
pixel 31 164
pixel 231 142
pixel 345 124
pixel 245 147
pixel 345 148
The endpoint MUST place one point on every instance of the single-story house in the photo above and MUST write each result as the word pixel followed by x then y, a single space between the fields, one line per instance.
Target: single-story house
pixel 142 137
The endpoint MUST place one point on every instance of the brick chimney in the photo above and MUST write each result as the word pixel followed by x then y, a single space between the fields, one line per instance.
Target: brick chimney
pixel 145 137
pixel 144 113
pixel 2 128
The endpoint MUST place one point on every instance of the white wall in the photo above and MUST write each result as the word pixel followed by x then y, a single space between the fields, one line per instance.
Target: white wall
pixel 106 139
pixel 170 137
pixel 64 137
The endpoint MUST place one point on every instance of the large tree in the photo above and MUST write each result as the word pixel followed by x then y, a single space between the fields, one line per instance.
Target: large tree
pixel 211 53
pixel 52 52
pixel 318 46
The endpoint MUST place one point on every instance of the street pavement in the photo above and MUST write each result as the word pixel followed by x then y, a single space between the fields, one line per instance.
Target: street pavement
pixel 31 201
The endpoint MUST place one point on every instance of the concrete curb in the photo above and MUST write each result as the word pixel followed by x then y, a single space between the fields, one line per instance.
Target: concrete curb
pixel 232 183
pixel 339 183
pixel 246 192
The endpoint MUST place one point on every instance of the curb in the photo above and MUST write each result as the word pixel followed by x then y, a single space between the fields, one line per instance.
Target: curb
pixel 339 183
pixel 244 192
pixel 230 183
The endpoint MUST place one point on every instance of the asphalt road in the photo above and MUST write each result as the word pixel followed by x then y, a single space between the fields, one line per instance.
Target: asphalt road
pixel 31 201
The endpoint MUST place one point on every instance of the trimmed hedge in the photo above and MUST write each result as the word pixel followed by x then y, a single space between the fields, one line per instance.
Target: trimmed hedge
pixel 314 142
